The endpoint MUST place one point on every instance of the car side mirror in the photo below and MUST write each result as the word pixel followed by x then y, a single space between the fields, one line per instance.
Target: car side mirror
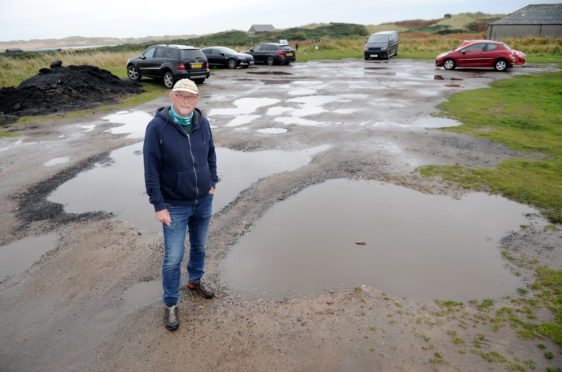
pixel 463 51
pixel 251 50
pixel 142 57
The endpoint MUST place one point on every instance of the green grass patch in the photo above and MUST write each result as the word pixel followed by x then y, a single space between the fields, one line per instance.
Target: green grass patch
pixel 544 58
pixel 9 134
pixel 552 331
pixel 437 359
pixel 312 54
pixel 525 113
pixel 485 305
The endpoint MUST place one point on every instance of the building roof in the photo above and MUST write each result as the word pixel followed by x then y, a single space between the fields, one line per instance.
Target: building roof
pixel 546 14
pixel 262 28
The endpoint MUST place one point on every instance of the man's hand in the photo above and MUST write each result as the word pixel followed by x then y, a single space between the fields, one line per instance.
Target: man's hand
pixel 212 190
pixel 164 217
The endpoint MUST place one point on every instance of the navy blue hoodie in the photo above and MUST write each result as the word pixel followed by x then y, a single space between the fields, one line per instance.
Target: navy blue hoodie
pixel 179 168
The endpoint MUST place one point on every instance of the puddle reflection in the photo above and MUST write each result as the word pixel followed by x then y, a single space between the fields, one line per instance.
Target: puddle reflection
pixel 416 245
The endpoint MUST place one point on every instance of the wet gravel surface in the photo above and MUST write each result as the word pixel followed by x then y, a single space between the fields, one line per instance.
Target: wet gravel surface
pixel 68 311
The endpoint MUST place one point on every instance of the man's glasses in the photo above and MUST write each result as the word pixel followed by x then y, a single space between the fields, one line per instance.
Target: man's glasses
pixel 186 96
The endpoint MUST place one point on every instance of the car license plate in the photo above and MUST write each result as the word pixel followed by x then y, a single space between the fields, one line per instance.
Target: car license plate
pixel 374 55
pixel 196 65
pixel 289 54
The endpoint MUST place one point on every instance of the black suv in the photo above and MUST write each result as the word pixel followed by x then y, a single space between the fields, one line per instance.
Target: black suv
pixel 169 63
pixel 273 53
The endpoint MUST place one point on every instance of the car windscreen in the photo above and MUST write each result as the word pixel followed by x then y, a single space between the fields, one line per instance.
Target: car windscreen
pixel 378 39
pixel 191 54
pixel 506 47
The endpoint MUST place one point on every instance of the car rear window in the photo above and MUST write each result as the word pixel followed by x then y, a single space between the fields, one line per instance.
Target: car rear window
pixel 286 48
pixel 191 54
pixel 166 53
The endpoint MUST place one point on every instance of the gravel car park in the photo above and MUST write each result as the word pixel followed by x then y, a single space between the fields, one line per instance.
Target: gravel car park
pixel 373 123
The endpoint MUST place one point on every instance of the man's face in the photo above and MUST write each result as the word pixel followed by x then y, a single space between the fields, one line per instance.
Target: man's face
pixel 184 102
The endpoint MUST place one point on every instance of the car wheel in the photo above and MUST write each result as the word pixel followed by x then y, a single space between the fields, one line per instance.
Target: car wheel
pixel 500 65
pixel 449 64
pixel 231 63
pixel 270 61
pixel 168 79
pixel 198 81
pixel 133 73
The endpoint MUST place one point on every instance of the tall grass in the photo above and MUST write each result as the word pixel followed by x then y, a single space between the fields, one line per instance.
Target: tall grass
pixel 14 70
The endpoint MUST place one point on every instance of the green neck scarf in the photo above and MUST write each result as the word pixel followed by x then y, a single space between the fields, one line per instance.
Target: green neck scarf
pixel 185 122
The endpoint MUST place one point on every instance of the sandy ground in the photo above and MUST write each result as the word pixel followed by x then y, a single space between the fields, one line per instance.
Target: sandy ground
pixel 67 312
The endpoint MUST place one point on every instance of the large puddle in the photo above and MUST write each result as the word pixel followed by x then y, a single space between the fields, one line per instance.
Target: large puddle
pixel 21 254
pixel 117 185
pixel 344 234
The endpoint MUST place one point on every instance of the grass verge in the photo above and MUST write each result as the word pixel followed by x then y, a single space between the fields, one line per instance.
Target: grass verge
pixel 525 113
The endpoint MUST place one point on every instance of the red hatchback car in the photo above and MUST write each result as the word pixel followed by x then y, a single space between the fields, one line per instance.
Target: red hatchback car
pixel 479 53
pixel 520 57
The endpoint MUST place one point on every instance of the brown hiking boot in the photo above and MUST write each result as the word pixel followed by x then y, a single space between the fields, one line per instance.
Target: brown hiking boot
pixel 171 319
pixel 200 288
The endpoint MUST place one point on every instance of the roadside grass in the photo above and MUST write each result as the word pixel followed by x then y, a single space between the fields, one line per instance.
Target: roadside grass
pixel 8 134
pixel 14 70
pixel 524 113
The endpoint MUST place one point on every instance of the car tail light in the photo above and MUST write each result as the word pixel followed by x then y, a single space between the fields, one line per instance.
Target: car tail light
pixel 206 65
pixel 281 53
pixel 180 66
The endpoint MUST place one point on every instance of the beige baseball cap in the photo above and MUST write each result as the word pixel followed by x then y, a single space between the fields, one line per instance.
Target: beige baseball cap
pixel 185 85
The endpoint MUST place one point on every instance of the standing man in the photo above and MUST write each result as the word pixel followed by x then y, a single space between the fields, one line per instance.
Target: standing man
pixel 180 173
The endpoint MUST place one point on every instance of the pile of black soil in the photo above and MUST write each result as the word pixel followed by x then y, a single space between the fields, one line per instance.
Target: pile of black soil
pixel 63 89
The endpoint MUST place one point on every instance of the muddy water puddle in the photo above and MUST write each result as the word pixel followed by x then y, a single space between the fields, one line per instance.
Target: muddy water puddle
pixel 21 254
pixel 117 185
pixel 344 234
pixel 142 293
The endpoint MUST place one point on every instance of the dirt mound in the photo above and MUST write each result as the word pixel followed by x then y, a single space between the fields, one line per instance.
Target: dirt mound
pixel 63 89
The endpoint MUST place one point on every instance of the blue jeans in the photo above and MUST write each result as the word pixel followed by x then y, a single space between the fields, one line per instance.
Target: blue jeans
pixel 195 219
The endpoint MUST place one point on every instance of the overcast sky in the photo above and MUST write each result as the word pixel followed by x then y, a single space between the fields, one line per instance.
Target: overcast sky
pixel 45 19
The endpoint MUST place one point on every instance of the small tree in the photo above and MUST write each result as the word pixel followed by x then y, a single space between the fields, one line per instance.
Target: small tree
pixel 301 35
pixel 447 15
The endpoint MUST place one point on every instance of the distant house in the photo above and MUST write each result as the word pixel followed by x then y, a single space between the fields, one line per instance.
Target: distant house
pixel 538 20
pixel 260 28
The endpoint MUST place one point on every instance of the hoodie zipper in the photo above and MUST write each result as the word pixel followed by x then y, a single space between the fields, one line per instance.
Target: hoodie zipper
pixel 194 170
